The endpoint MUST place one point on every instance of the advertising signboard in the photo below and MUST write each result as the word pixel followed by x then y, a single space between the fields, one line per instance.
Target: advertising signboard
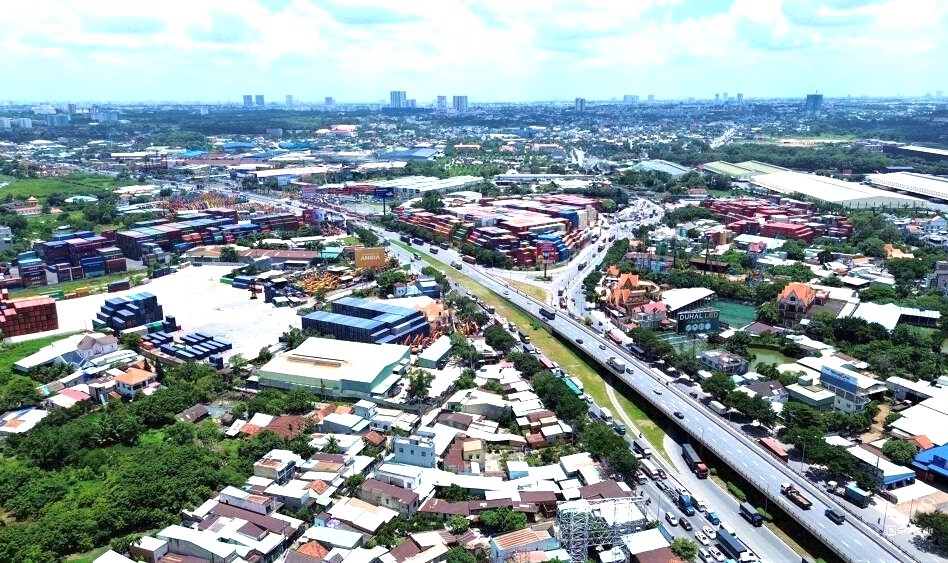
pixel 698 320
pixel 384 193
pixel 373 257
pixel 546 253
pixel 308 192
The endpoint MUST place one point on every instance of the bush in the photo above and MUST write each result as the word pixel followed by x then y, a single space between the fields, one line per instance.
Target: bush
pixel 736 491
pixel 765 515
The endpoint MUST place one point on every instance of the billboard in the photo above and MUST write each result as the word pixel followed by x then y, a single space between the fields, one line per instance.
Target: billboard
pixel 698 320
pixel 384 193
pixel 370 257
pixel 546 253
pixel 308 192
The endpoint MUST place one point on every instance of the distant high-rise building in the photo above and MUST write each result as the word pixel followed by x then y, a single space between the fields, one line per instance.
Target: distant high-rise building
pixel 651 97
pixel 329 101
pixel 248 100
pixel 259 100
pixel 814 103
pixel 717 98
pixel 459 103
pixel 289 100
pixel 398 99
pixel 740 98
pixel 630 99
pixel 442 103
pixel 724 96
pixel 411 103
pixel 580 105
pixel 57 119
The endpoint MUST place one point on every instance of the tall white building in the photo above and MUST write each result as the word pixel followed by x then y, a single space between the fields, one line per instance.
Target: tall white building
pixel 398 99
pixel 460 104
pixel 580 104
pixel 289 100
pixel 442 103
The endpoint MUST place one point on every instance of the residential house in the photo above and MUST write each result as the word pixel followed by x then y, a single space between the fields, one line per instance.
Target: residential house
pixel 794 303
pixel 939 278
pixel 279 465
pixel 629 292
pixel 135 381
pixel 772 391
pixel 648 315
pixel 724 361
pixel 505 545
pixel 416 450
pixel 403 501
pixel 473 450
pixel 96 344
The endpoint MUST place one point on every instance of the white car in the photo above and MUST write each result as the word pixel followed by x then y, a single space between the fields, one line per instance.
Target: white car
pixel 716 553
pixel 709 531
pixel 704 556
pixel 702 539
pixel 671 519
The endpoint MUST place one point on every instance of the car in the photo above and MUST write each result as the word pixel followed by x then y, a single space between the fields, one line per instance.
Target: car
pixel 662 474
pixel 693 394
pixel 702 539
pixel 662 486
pixel 657 391
pixel 716 554
pixel 670 518
pixel 704 556
pixel 579 341
pixel 679 415
pixel 686 525
pixel 709 531
pixel 506 292
pixel 602 346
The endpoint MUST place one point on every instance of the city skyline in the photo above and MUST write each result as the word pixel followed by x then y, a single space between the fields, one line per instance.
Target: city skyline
pixel 357 53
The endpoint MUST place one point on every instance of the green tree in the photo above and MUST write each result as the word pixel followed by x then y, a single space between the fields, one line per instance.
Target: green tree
pixel 386 281
pixel 501 520
pixel 767 313
pixel 499 339
pixel 419 382
pixel 455 493
pixel 458 554
pixel 458 524
pixel 685 548
pixel 901 452
pixel 718 386
pixel 935 524
pixel 228 254
pixel 298 401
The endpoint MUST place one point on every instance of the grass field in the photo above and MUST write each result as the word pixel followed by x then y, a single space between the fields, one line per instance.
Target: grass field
pixel 73 184
pixel 556 350
pixel 70 286
pixel 533 291
pixel 11 353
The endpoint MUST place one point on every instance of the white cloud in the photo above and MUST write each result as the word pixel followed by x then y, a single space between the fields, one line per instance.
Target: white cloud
pixel 489 49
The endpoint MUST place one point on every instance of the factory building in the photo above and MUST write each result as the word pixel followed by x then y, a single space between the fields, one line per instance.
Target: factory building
pixel 362 320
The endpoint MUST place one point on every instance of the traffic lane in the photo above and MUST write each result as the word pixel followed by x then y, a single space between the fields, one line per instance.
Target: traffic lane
pixel 564 325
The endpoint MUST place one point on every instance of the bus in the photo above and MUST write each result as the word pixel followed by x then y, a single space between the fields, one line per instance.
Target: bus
pixel 649 469
pixel 775 448
pixel 547 313
pixel 619 337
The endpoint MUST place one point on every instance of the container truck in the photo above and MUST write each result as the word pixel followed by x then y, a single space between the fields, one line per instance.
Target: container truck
pixel 795 496
pixel 731 546
pixel 616 364
pixel 857 496
pixel 694 462
pixel 640 447
pixel 684 503
pixel 750 514
pixel 717 407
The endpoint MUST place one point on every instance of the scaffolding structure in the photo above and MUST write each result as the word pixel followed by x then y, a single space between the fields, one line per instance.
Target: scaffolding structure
pixel 582 524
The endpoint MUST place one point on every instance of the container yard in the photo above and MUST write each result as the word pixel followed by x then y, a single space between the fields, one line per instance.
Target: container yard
pixel 123 313
pixel 199 301
pixel 190 347
pixel 523 229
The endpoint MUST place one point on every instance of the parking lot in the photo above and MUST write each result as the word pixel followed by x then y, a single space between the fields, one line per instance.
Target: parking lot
pixel 199 303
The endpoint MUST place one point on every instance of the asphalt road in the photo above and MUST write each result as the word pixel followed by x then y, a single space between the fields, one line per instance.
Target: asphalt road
pixel 853 541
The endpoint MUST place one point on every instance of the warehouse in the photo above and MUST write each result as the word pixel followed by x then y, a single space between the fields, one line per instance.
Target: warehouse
pixel 918 184
pixel 831 190
pixel 362 320
pixel 416 186
pixel 337 368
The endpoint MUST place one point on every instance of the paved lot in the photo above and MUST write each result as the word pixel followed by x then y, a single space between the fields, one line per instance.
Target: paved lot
pixel 200 303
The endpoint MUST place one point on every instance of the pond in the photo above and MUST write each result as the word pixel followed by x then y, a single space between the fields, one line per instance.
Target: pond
pixel 765 356
pixel 735 313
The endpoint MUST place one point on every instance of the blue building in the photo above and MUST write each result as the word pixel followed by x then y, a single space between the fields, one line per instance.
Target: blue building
pixel 374 322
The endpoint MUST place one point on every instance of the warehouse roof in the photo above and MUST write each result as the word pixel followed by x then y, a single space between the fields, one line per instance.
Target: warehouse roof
pixel 675 299
pixel 921 184
pixel 325 358
pixel 849 194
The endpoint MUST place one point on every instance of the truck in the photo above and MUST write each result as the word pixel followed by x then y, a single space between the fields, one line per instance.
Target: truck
pixel 616 364
pixel 547 313
pixel 857 496
pixel 750 514
pixel 717 407
pixel 684 503
pixel 797 498
pixel 712 517
pixel 649 469
pixel 731 546
pixel 693 461
pixel 639 446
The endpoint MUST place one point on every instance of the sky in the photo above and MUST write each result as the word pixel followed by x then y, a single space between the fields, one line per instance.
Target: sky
pixel 490 50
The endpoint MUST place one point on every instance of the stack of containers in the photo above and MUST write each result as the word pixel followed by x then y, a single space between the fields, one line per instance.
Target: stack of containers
pixel 123 313
pixel 120 285
pixel 26 316
pixel 32 269
pixel 114 261
pixel 242 282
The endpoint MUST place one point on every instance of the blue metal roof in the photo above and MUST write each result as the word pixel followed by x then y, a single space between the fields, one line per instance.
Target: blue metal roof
pixel 934 460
